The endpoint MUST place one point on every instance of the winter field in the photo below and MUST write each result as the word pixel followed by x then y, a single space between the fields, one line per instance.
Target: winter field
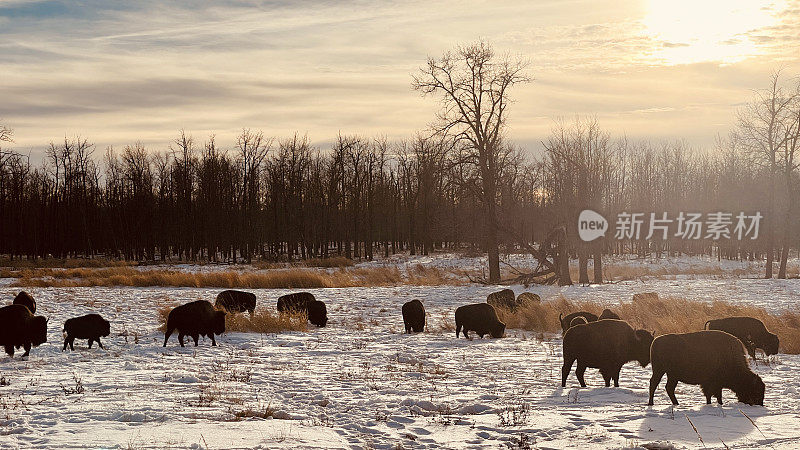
pixel 361 383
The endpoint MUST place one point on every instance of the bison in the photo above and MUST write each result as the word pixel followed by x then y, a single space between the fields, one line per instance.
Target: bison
pixel 750 331
pixel 608 314
pixel 414 316
pixel 236 301
pixel 502 299
pixel 20 328
pixel 195 319
pixel 480 318
pixel 304 302
pixel 606 345
pixel 713 359
pixel 566 320
pixel 23 298
pixel 90 326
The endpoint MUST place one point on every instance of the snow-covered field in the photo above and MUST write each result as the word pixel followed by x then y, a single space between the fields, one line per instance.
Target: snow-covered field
pixel 361 383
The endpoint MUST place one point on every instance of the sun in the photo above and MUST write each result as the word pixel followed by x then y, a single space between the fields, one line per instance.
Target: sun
pixel 693 31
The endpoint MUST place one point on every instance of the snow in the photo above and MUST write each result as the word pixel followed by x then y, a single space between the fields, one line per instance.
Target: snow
pixel 361 382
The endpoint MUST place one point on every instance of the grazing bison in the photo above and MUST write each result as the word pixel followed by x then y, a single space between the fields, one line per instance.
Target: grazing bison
pixel 606 345
pixel 20 328
pixel 304 302
pixel 608 314
pixel 578 320
pixel 480 318
pixel 713 359
pixel 414 316
pixel 23 298
pixel 566 320
pixel 527 298
pixel 503 299
pixel 90 326
pixel 750 331
pixel 195 319
pixel 236 301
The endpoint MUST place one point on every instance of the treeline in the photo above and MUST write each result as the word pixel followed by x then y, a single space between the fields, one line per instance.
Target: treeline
pixel 278 199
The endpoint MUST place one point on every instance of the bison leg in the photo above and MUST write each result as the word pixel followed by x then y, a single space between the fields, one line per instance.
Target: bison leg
pixel 213 341
pixel 615 376
pixel 751 349
pixel 606 377
pixel 91 341
pixel 565 369
pixel 9 350
pixel 167 335
pixel 654 382
pixel 718 394
pixel 707 392
pixel 579 371
pixel 458 329
pixel 66 342
pixel 27 348
pixel 196 337
pixel 100 343
pixel 180 338
pixel 671 385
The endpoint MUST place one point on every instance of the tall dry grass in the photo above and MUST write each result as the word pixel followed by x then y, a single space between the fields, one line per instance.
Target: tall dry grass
pixel 262 321
pixel 661 315
pixel 293 278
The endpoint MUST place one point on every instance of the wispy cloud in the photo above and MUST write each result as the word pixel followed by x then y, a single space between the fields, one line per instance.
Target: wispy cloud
pixel 121 71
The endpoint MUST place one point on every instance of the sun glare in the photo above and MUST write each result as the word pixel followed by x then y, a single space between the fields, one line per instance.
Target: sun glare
pixel 707 30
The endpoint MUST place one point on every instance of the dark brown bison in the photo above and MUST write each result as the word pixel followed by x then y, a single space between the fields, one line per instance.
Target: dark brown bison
pixel 23 298
pixel 566 320
pixel 608 314
pixel 90 326
pixel 502 299
pixel 236 301
pixel 578 320
pixel 713 359
pixel 305 302
pixel 480 318
pixel 195 319
pixel 606 345
pixel 414 316
pixel 20 328
pixel 750 331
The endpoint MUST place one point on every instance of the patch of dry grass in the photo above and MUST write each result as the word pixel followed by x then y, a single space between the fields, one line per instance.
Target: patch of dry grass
pixel 262 321
pixel 69 263
pixel 661 315
pixel 292 278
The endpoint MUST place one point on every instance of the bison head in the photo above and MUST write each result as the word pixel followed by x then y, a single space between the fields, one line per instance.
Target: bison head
pixel 219 322
pixel 642 341
pixel 38 330
pixel 498 330
pixel 751 390
pixel 771 344
pixel 106 328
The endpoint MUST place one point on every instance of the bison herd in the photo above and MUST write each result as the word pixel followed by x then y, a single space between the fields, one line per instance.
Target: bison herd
pixel 713 358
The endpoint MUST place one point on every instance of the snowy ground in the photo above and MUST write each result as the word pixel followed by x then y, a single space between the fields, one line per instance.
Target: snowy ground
pixel 361 383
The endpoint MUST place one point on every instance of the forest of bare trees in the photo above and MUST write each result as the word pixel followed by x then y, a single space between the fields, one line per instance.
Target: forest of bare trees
pixel 463 187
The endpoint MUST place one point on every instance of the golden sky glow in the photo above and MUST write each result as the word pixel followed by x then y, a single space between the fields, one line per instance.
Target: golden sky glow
pixel 118 72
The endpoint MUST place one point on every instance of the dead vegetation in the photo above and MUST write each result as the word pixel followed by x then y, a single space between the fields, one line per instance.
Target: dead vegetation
pixel 294 278
pixel 262 321
pixel 662 315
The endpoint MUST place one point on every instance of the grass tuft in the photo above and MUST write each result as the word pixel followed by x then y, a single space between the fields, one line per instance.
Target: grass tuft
pixel 262 321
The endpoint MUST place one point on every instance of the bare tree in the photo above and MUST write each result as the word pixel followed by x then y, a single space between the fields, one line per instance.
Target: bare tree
pixel 474 88
pixel 762 131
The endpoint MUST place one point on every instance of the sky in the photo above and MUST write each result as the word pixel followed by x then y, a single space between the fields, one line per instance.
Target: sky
pixel 121 72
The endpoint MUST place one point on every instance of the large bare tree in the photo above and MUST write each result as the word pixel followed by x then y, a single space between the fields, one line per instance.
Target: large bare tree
pixel 473 85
